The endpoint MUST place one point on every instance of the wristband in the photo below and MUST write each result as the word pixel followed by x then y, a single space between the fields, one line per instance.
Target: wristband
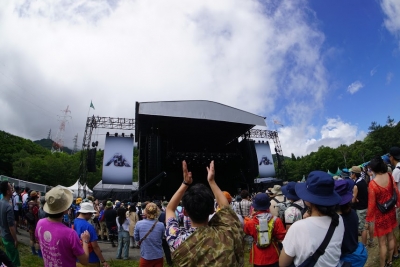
pixel 185 183
pixel 87 242
pixel 103 261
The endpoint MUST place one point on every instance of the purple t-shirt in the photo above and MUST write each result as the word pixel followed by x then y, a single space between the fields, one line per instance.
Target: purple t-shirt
pixel 60 245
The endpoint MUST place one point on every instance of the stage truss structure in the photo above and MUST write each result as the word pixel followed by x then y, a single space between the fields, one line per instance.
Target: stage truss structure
pixel 129 124
pixel 101 123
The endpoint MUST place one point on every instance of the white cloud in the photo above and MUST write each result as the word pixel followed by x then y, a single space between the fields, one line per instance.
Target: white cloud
pixel 391 8
pixel 389 77
pixel 354 87
pixel 302 140
pixel 241 53
pixel 373 71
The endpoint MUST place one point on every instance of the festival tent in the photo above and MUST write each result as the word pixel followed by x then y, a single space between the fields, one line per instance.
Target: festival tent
pixel 75 190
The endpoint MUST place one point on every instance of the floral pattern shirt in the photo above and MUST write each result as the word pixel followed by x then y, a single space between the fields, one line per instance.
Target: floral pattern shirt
pixel 293 214
pixel 175 235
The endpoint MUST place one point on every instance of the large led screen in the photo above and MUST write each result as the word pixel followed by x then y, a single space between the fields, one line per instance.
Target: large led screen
pixel 265 162
pixel 118 160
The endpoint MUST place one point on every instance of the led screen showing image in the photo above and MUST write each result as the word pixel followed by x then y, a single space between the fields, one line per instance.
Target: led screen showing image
pixel 118 160
pixel 265 162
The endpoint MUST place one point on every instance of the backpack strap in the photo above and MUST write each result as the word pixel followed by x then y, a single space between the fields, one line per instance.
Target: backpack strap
pixel 277 201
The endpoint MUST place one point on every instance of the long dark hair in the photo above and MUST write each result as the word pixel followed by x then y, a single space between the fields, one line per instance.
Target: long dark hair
pixel 121 216
pixel 377 165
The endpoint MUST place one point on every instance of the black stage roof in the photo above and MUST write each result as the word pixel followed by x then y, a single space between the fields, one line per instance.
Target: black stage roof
pixel 194 120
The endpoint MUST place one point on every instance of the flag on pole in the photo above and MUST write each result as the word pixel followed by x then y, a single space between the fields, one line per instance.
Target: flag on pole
pixel 278 123
pixel 91 105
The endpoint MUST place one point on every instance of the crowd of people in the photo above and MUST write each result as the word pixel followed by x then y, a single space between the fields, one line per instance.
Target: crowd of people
pixel 315 223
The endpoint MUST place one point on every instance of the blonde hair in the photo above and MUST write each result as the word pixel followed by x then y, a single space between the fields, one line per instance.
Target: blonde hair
pixel 151 211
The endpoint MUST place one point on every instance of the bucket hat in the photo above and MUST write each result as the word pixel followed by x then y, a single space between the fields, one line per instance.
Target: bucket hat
pixel 109 204
pixel 345 190
pixel 318 189
pixel 87 207
pixel 261 202
pixel 289 191
pixel 276 190
pixel 57 200
pixel 355 169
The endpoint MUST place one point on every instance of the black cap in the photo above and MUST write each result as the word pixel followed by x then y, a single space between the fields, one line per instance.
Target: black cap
pixel 395 152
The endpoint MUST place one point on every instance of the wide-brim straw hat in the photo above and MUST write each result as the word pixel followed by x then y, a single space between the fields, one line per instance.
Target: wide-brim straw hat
pixel 57 200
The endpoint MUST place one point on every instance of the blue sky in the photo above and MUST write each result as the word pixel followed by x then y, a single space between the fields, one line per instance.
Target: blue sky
pixel 324 69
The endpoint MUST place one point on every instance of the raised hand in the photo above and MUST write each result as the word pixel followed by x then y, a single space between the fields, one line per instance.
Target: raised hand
pixel 187 176
pixel 211 172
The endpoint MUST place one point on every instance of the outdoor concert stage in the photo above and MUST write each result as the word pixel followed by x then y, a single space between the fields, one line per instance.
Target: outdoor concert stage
pixel 198 132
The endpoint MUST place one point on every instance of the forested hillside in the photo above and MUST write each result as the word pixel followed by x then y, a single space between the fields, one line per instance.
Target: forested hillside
pixel 378 142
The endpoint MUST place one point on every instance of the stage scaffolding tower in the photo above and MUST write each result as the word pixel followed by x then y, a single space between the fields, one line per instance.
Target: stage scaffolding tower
pixel 101 123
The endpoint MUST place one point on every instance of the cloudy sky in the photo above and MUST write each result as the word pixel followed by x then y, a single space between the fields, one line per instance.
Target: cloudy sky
pixel 324 69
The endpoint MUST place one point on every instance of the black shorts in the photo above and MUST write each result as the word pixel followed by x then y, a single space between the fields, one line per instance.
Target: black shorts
pixel 16 215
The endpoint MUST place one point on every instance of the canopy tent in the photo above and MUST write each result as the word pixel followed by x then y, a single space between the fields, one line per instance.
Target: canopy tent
pixel 115 191
pixel 75 190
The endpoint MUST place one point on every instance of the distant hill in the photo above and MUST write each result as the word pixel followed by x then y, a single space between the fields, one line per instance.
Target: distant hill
pixel 48 143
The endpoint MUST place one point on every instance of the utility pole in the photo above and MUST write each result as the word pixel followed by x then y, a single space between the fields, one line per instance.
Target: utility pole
pixel 58 143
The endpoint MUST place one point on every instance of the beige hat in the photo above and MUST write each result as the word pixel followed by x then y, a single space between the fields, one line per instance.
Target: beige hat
pixel 57 200
pixel 355 169
pixel 276 190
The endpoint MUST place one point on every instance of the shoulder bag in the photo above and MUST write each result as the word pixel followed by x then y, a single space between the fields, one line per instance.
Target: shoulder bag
pixel 388 205
pixel 312 260
pixel 146 235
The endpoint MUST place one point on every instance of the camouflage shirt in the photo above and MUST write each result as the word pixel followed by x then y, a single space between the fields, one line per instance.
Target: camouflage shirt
pixel 219 244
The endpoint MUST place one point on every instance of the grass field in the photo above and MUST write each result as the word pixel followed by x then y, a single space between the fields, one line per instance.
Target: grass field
pixel 28 260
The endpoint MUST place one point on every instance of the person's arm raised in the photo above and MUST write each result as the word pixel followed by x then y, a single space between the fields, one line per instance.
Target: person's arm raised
pixel 176 198
pixel 219 196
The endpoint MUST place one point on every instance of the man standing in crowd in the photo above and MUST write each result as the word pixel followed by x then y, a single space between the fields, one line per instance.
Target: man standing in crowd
pixel 60 245
pixel 81 225
pixel 16 202
pixel 7 224
pixel 360 200
pixel 220 240
pixel 243 207
pixel 25 194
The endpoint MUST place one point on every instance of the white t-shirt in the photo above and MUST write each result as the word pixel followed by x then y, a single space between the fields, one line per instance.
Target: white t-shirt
pixel 396 175
pixel 305 236
pixel 15 201
pixel 24 197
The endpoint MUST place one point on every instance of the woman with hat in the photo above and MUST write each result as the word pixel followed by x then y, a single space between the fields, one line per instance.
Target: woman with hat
pixel 149 233
pixel 269 255
pixel 60 245
pixel 380 190
pixel 353 252
pixel 305 236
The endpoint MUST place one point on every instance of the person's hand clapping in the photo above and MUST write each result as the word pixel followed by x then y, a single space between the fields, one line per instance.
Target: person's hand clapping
pixel 211 172
pixel 187 176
